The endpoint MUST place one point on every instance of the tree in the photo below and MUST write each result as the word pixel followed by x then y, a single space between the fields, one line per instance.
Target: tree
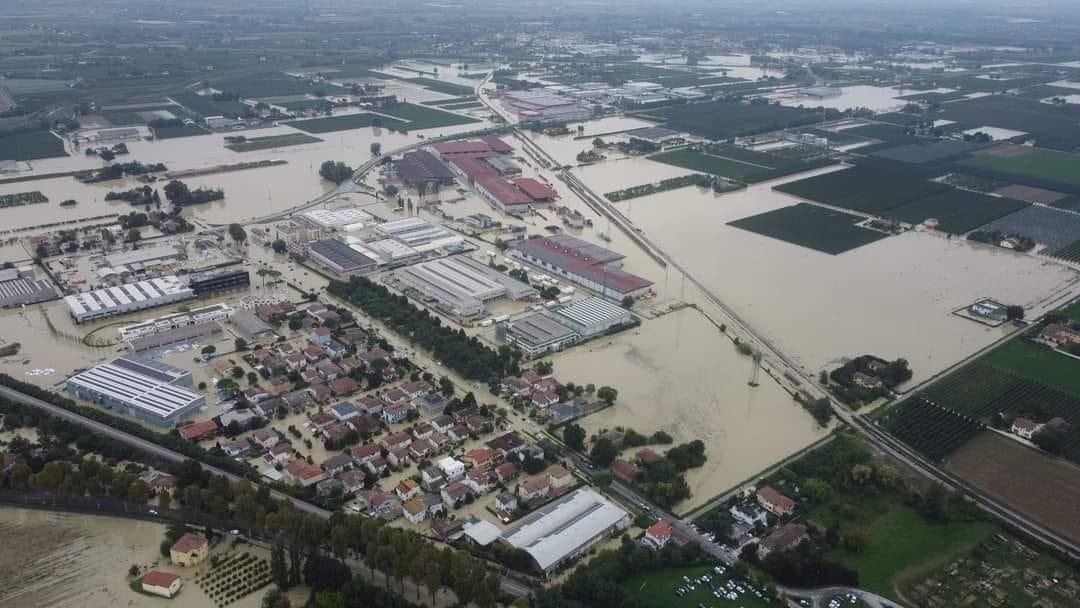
pixel 816 490
pixel 237 233
pixel 1050 438
pixel 133 235
pixel 209 349
pixel 607 394
pixel 603 452
pixel 336 172
pixel 275 599
pixel 240 344
pixel 376 148
pixel 279 246
pixel 164 499
pixel 1014 312
pixel 574 436
pixel 446 387
pixel 628 302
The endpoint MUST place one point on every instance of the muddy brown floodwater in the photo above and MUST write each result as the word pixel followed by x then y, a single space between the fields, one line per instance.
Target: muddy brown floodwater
pixel 63 560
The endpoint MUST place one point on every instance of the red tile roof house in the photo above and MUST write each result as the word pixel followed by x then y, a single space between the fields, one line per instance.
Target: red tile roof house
pixel 786 537
pixel 454 494
pixel 344 386
pixel 300 473
pixel 534 489
pixel 338 463
pixel 321 420
pixel 658 534
pixel 505 472
pixel 365 452
pixel 1025 428
pixel 279 452
pixel 415 389
pixel 396 440
pixel 407 489
pixel 198 430
pixel 161 583
pixel 543 399
pixel 480 458
pixel 646 456
pixel 353 480
pixel 624 471
pixel 370 405
pixel 478 481
pixel 774 502
pixel 395 395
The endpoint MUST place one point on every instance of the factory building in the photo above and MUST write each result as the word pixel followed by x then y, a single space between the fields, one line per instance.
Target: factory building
pixel 584 263
pixel 537 334
pixel 420 168
pixel 412 231
pixel 482 164
pixel 145 255
pixel 540 105
pixel 592 316
pixel 460 284
pixel 179 335
pixel 214 312
pixel 338 219
pixel 130 297
pixel 567 528
pixel 19 287
pixel 218 279
pixel 145 389
pixel 343 259
pixel 538 191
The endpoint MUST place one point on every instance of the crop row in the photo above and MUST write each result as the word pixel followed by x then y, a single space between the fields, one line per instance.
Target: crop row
pixel 929 428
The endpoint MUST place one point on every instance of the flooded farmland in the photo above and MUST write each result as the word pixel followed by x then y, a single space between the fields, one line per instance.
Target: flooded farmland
pixel 64 560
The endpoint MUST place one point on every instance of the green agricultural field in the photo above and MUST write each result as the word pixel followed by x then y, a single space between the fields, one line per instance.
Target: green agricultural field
pixel 344 122
pixel 181 131
pixel 269 84
pixel 865 189
pixel 204 105
pixel 957 211
pixel 440 86
pixel 887 133
pixel 31 145
pixel 1040 364
pixel 725 119
pixel 423 117
pixel 900 542
pixel 1072 311
pixel 694 160
pixel 130 116
pixel 300 105
pixel 1036 163
pixel 811 226
pixel 272 141
pixel 657 590
pixel 468 105
pixel 449 102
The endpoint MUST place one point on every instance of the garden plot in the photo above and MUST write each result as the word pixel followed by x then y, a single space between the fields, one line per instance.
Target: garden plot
pixel 1046 226
pixel 956 211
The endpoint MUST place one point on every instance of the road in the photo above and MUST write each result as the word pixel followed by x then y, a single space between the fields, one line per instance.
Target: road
pixel 819 597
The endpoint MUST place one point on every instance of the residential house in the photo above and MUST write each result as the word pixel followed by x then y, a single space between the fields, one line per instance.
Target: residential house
pixel 415 389
pixel 336 433
pixel 399 457
pixel 534 489
pixel 392 441
pixel 455 494
pixel 278 453
pixel 297 400
pixel 451 468
pixel 514 386
pixel 867 381
pixel 750 515
pixel 329 371
pixel 459 433
pixel 434 504
pixel 432 479
pixel 443 423
pixel 342 387
pixel 478 480
pixel 267 408
pixel 624 471
pixel 422 430
pixel 505 504
pixel 543 399
pixel 197 431
pixel 370 405
pixel 320 336
pixel 415 511
pixel 266 438
pixel 235 447
pixel 376 466
pixel 368 357
pixel 1025 428
pixel 480 458
pixel 344 411
pixel 646 456
pixel 353 481
pixel 363 453
pixel 395 395
pixel 335 350
pixel 447 530
pixel 506 472
pixel 786 537
pixel 160 482
pixel 160 583
pixel 440 441
pixel 364 424
pixel 190 550
pixel 320 392
pixel 507 444
pixel 407 489
pixel 1060 335
pixel 658 534
pixel 774 502
pixel 256 394
pixel 559 478
pixel 394 414
pixel 421 449
pixel 330 487
pixel 337 464
pixel 300 473
pixel 321 420
pixel 384 505
pixel 313 353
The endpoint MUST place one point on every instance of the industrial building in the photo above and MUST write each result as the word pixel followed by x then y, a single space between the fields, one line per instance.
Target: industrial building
pixel 19 287
pixel 567 528
pixel 351 218
pixel 147 390
pixel 539 105
pixel 420 168
pixel 214 312
pixel 584 263
pixel 538 334
pixel 412 231
pixel 178 335
pixel 392 252
pixel 340 257
pixel 592 316
pixel 144 255
pixel 251 327
pixel 460 284
pixel 218 279
pixel 538 191
pixel 130 297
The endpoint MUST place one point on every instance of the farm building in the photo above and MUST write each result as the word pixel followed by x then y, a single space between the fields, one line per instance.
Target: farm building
pixel 461 284
pixel 566 528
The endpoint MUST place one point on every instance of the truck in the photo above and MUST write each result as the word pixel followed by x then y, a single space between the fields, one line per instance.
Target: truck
pixel 486 323
pixel 565 299
pixel 501 318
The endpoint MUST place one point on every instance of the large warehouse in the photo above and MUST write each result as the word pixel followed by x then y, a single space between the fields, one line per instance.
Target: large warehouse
pixel 566 528
pixel 412 231
pixel 340 257
pixel 582 262
pixel 147 390
pixel 461 285
pixel 130 297
pixel 337 219
pixel 214 312
pixel 18 287
pixel 538 334
pixel 592 316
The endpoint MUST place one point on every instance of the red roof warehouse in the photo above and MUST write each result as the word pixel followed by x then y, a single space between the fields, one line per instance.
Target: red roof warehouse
pixel 535 190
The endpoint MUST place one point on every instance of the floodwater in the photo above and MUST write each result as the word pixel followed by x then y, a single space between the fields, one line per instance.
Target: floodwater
pixel 892 298
pixel 859 96
pixel 679 374
pixel 248 193
pixel 65 560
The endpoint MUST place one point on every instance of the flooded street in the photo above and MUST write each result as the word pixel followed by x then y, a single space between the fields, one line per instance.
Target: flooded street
pixel 64 560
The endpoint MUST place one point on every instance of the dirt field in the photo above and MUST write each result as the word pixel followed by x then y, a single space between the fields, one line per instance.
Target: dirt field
pixel 1045 489
pixel 1030 194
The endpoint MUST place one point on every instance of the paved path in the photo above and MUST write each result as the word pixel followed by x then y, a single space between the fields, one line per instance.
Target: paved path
pixel 820 597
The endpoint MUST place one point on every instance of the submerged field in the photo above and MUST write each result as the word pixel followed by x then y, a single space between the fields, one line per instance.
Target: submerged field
pixel 344 122
pixel 957 211
pixel 272 141
pixel 723 119
pixel 811 226
pixel 739 163
pixel 1038 163
pixel 864 189
pixel 31 146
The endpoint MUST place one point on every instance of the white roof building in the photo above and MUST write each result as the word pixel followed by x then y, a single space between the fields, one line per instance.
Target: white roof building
pixel 481 531
pixel 339 218
pixel 592 316
pixel 144 389
pixel 566 528
pixel 142 255
pixel 130 297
